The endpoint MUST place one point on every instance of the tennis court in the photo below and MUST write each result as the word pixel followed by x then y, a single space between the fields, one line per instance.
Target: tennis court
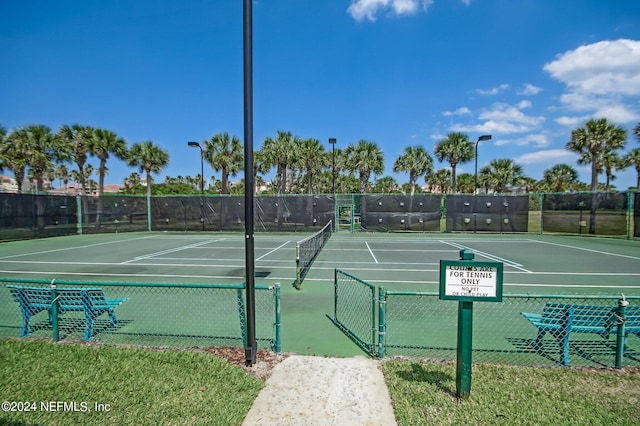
pixel 537 264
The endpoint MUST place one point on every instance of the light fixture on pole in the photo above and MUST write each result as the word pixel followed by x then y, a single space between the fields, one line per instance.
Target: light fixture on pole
pixel 197 145
pixel 475 181
pixel 332 141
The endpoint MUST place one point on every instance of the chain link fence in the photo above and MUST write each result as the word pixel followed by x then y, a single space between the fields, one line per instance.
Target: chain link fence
pixel 355 310
pixel 520 330
pixel 155 315
pixel 24 216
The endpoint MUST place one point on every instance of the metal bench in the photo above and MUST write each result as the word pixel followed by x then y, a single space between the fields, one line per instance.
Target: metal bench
pixel 92 301
pixel 561 319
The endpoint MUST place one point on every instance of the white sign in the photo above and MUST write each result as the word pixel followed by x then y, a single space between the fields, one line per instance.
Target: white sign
pixel 471 281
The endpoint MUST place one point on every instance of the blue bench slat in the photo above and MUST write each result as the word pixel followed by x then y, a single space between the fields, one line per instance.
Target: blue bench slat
pixel 561 319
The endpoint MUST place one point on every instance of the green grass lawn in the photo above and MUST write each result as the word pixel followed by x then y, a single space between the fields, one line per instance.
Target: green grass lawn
pixel 177 387
pixel 133 386
pixel 424 393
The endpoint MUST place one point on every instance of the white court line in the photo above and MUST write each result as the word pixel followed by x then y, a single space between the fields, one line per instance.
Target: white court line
pixel 490 256
pixel 589 250
pixel 173 250
pixel 35 253
pixel 371 251
pixel 275 249
pixel 100 274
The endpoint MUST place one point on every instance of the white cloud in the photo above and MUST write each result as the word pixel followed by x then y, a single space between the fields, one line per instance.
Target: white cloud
pixel 572 121
pixel 493 91
pixel 529 90
pixel 602 78
pixel 549 156
pixel 368 9
pixel 459 111
pixel 503 118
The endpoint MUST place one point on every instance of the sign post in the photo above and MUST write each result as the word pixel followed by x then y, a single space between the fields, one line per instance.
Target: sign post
pixel 466 281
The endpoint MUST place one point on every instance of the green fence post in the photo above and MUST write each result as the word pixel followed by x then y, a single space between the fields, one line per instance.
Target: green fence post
pixel 278 344
pixel 382 325
pixel 629 215
pixel 335 294
pixel 541 214
pixel 620 340
pixel 148 212
pixel 54 312
pixel 463 370
pixel 79 214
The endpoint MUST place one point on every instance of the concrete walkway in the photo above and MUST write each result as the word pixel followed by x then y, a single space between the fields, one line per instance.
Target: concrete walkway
pixel 318 391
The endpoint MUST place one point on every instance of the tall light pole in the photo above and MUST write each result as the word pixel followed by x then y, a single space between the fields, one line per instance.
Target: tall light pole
pixel 475 181
pixel 197 145
pixel 332 141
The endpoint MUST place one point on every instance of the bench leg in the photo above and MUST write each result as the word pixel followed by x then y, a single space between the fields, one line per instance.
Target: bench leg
pixel 112 318
pixel 537 345
pixel 26 320
pixel 88 328
pixel 563 342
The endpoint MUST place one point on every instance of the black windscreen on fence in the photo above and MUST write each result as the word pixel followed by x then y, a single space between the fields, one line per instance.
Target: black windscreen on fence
pixel 586 213
pixel 226 213
pixel 487 213
pixel 114 213
pixel 36 216
pixel 397 212
pixel 24 216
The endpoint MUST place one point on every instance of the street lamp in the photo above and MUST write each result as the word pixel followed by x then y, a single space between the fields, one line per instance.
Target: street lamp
pixel 194 145
pixel 332 141
pixel 475 182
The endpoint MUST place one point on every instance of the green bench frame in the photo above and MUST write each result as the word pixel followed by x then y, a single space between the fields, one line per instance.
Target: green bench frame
pixel 561 319
pixel 92 301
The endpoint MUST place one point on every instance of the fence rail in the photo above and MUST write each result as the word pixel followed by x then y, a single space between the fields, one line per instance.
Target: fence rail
pixel 419 324
pixel 157 315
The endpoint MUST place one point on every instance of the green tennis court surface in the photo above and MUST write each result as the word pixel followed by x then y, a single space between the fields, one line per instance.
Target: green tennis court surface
pixel 547 264
pixel 532 264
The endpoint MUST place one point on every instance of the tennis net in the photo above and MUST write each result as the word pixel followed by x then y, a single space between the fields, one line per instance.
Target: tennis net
pixel 307 250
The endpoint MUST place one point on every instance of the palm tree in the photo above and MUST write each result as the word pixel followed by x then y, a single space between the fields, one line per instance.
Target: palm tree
pixel 312 158
pixel 592 142
pixel 455 148
pixel 103 143
pixel 149 158
pixel 560 178
pixel 62 173
pixel 41 150
pixel 439 180
pixel 131 181
pixel 416 161
pixel 225 154
pixel 465 183
pixel 365 157
pixel 633 159
pixel 385 185
pixel 3 135
pixel 636 130
pixel 611 161
pixel 13 155
pixel 281 153
pixel 500 173
pixel 76 139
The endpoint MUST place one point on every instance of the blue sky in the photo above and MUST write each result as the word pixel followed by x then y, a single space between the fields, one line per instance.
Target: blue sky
pixel 396 72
